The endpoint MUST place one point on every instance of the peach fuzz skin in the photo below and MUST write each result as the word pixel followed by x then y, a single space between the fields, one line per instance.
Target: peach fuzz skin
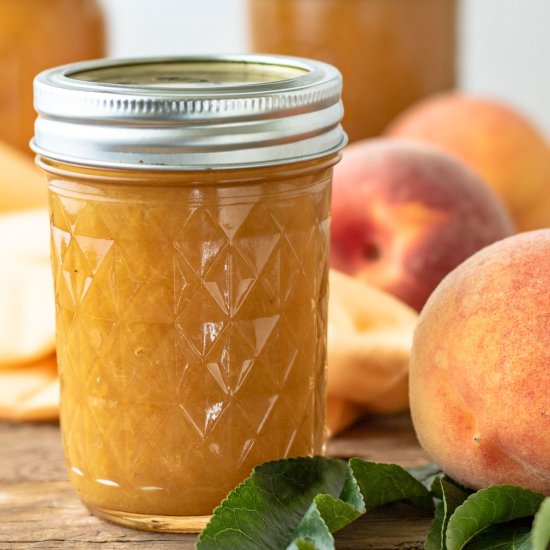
pixel 496 141
pixel 405 214
pixel 480 367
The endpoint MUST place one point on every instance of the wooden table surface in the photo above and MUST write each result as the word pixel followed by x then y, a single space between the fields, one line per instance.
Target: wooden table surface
pixel 38 508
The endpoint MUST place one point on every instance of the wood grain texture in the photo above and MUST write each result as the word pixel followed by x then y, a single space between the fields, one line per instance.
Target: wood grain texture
pixel 39 509
pixel 381 439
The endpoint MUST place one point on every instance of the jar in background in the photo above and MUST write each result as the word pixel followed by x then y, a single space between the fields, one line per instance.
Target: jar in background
pixel 36 35
pixel 190 207
pixel 391 53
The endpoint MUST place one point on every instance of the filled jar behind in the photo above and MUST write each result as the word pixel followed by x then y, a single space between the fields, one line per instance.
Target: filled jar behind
pixel 391 52
pixel 35 35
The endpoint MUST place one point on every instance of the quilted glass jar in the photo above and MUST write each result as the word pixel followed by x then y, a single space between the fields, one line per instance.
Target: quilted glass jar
pixel 189 249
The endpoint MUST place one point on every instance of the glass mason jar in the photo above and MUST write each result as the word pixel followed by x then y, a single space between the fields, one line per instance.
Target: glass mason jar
pixel 35 35
pixel 190 207
pixel 391 52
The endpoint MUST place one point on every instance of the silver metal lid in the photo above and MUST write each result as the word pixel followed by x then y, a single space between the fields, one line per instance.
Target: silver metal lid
pixel 225 111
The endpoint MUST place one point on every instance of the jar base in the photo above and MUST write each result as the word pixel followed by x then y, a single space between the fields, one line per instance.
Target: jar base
pixel 147 522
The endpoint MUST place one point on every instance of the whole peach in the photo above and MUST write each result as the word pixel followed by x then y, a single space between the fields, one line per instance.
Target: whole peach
pixel 496 141
pixel 480 367
pixel 405 214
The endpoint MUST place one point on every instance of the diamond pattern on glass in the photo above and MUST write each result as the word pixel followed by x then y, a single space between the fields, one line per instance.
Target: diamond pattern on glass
pixel 191 341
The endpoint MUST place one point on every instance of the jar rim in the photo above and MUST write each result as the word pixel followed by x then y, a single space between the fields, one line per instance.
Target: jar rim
pixel 262 173
pixel 193 112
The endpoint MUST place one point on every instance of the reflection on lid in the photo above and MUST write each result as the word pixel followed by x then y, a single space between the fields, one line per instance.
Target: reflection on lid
pixel 189 74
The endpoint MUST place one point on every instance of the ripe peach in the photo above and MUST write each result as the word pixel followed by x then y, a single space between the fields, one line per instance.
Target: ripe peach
pixel 480 367
pixel 500 144
pixel 405 214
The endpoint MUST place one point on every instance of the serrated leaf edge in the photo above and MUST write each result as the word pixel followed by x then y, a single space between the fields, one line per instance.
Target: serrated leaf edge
pixel 414 484
pixel 482 493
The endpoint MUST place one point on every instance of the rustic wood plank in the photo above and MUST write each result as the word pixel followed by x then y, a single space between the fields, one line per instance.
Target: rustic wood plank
pixel 393 527
pixel 39 509
pixel 30 452
pixel 43 514
pixel 72 545
pixel 381 439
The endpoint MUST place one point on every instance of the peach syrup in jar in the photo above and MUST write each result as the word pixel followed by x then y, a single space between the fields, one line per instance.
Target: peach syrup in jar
pixel 190 207
pixel 392 53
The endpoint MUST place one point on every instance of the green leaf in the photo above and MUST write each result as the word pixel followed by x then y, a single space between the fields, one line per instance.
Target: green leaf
pixel 451 497
pixel 514 535
pixel 385 483
pixel 296 504
pixel 435 489
pixel 351 493
pixel 541 526
pixel 303 544
pixel 497 504
pixel 266 509
pixel 312 532
pixel 335 512
pixel 327 515
pixel 436 535
pixel 426 474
